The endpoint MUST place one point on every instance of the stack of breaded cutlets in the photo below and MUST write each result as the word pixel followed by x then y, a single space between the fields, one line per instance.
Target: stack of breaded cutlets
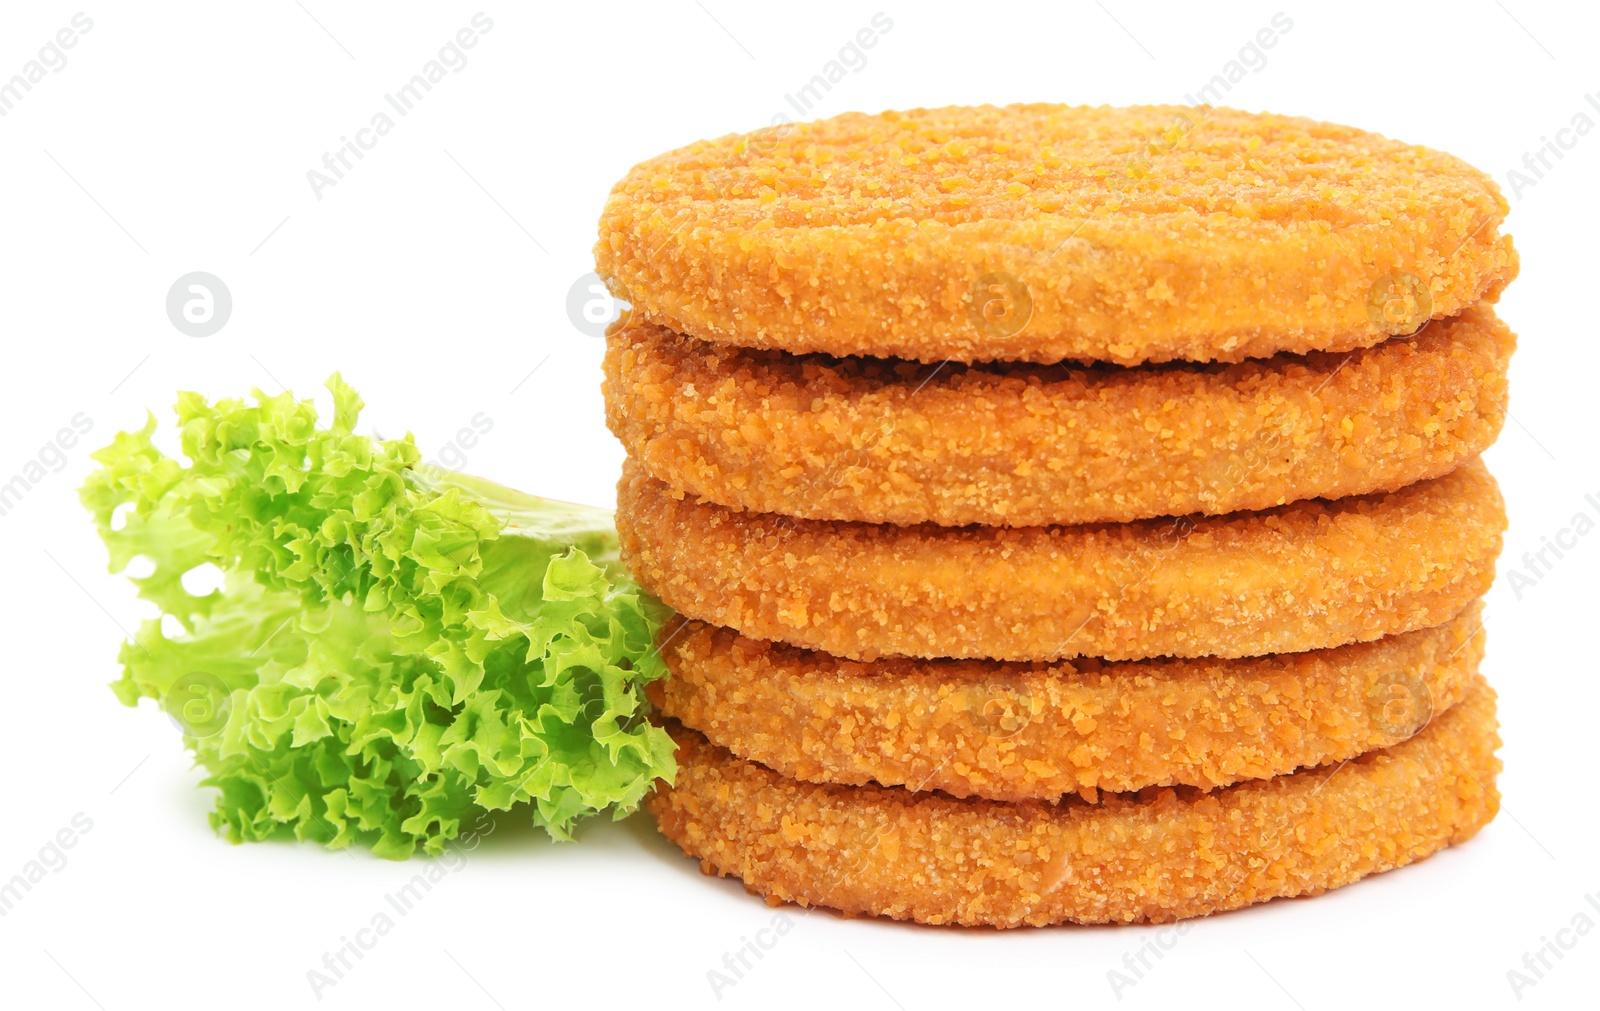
pixel 1074 514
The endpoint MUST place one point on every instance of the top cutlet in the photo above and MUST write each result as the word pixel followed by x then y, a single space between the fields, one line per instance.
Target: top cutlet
pixel 1138 234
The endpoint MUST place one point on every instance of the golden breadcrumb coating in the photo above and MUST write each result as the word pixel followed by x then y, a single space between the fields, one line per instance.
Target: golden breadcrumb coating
pixel 1045 232
pixel 1010 732
pixel 1021 445
pixel 1302 576
pixel 1159 855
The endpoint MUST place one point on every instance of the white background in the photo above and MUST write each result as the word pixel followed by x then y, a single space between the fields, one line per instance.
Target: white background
pixel 178 138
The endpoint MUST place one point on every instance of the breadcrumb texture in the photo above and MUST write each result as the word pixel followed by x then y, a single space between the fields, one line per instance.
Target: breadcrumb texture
pixel 1136 234
pixel 1162 854
pixel 1014 732
pixel 1303 576
pixel 886 441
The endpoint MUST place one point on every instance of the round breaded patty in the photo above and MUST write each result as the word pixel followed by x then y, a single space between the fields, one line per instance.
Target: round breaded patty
pixel 1044 233
pixel 1303 576
pixel 1160 855
pixel 1009 732
pixel 1020 445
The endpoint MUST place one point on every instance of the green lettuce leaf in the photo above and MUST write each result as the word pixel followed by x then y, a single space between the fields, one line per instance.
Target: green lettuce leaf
pixel 393 646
